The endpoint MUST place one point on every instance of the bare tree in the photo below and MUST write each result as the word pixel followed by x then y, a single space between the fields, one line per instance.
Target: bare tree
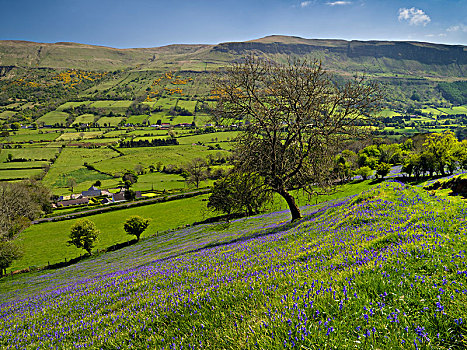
pixel 196 171
pixel 295 117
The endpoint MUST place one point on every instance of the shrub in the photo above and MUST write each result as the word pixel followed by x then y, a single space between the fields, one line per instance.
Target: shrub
pixel 365 172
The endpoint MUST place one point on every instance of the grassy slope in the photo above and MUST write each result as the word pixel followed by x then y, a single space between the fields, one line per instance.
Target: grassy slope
pixel 47 242
pixel 383 270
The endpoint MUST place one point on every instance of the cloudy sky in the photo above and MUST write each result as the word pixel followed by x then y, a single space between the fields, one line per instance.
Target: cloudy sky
pixel 149 23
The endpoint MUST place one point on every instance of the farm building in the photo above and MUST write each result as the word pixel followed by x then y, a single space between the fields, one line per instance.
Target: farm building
pixel 92 192
pixel 70 202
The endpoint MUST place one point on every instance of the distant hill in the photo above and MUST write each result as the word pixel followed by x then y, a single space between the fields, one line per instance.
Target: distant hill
pixel 380 58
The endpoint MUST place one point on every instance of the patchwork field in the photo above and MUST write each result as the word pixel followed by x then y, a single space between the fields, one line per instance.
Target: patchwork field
pixel 384 269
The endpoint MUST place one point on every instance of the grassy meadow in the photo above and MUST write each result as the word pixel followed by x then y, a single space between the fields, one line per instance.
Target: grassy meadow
pixel 46 242
pixel 384 269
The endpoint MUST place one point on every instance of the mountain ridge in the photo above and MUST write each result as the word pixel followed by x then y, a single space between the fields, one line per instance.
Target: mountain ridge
pixel 410 58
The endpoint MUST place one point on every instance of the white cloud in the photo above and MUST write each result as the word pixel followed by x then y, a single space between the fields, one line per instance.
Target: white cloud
pixel 414 16
pixel 305 3
pixel 441 35
pixel 458 28
pixel 337 3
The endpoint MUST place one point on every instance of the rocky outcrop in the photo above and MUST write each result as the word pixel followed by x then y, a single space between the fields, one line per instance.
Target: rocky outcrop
pixel 425 53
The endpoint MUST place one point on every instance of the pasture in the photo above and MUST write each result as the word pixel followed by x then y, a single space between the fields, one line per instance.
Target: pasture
pixel 109 121
pixel 84 119
pixel 46 243
pixel 54 117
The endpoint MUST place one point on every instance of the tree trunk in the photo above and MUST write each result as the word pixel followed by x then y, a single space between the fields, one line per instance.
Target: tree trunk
pixel 294 209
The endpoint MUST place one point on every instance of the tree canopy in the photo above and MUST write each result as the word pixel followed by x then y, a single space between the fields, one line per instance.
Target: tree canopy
pixel 19 204
pixel 135 225
pixel 83 234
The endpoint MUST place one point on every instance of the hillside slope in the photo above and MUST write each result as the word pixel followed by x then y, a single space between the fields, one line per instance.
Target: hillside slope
pixel 385 269
pixel 386 58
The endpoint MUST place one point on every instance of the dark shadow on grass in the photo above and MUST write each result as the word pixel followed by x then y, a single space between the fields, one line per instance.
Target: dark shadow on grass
pixel 266 232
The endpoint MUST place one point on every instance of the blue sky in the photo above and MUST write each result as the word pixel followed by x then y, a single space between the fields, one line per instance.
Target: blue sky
pixel 150 23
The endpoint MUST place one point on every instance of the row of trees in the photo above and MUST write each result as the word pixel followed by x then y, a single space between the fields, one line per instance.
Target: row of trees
pixel 149 143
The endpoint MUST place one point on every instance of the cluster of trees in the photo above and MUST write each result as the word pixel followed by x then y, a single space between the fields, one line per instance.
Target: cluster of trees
pixel 177 110
pixel 428 154
pixel 84 233
pixel 20 203
pixel 456 92
pixel 149 143
pixel 137 108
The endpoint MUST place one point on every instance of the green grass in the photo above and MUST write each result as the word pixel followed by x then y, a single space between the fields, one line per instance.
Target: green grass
pixel 24 165
pixel 32 153
pixel 67 105
pixel 84 119
pixel 115 106
pixel 53 118
pixel 72 159
pixel 46 243
pixel 136 119
pixel 110 121
pixel 454 110
pixel 18 174
pixel 211 138
pixel 71 136
pixel 388 113
pixel 176 155
pixel 188 105
pixel 7 114
pixel 159 182
pixel 433 111
pixel 34 135
pixel 166 103
pixel 383 270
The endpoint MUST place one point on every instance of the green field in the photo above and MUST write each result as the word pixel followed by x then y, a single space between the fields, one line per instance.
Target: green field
pixel 6 114
pixel 454 110
pixel 136 119
pixel 388 113
pixel 53 118
pixel 217 137
pixel 68 105
pixel 159 182
pixel 188 105
pixel 115 106
pixel 84 119
pixel 70 164
pixel 32 153
pixel 46 243
pixel 33 135
pixel 70 136
pixel 109 121
pixel 24 165
pixel 174 155
pixel 18 174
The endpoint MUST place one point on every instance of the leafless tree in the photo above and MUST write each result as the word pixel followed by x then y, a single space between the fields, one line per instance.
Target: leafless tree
pixel 196 171
pixel 295 116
